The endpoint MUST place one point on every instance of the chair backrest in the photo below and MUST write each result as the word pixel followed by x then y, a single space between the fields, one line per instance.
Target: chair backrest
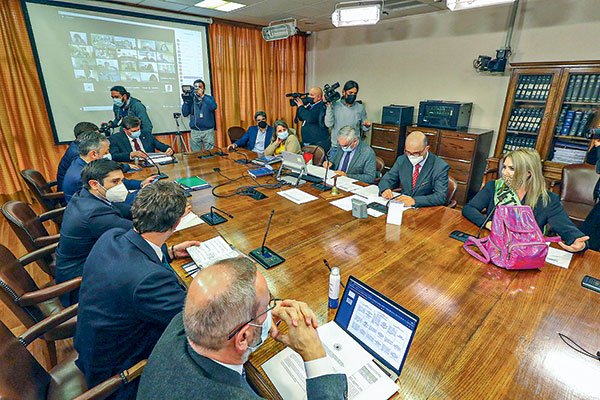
pixel 577 184
pixel 235 132
pixel 24 222
pixel 21 376
pixel 14 283
pixel 452 186
pixel 39 187
pixel 318 153
pixel 379 168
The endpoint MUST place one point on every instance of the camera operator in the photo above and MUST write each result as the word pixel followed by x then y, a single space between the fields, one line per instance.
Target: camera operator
pixel 312 116
pixel 126 106
pixel 345 112
pixel 591 225
pixel 200 107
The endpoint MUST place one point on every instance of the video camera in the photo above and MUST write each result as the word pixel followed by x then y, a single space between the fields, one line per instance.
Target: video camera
pixel 302 96
pixel 106 128
pixel 330 94
pixel 188 93
pixel 594 134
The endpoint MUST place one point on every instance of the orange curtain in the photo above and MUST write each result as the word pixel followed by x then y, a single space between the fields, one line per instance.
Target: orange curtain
pixel 250 74
pixel 26 139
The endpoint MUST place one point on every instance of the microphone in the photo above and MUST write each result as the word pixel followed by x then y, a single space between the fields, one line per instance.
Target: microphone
pixel 212 218
pixel 487 218
pixel 220 152
pixel 244 160
pixel 263 255
pixel 160 174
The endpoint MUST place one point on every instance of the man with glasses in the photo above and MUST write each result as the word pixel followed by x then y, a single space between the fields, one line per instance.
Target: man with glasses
pixel 257 137
pixel 421 176
pixel 357 158
pixel 228 314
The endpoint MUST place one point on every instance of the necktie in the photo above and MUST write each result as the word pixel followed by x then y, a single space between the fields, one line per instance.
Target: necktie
pixel 136 145
pixel 345 161
pixel 416 175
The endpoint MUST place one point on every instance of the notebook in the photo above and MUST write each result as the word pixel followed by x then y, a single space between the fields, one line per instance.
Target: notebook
pixel 193 183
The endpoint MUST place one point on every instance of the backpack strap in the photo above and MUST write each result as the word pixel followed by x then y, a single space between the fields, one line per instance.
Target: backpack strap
pixel 479 243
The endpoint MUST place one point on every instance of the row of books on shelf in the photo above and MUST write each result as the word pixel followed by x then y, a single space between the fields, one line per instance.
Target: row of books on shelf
pixel 573 122
pixel 525 119
pixel 533 87
pixel 569 153
pixel 516 142
pixel 583 88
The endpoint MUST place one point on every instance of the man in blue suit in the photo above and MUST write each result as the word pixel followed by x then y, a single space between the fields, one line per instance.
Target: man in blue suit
pixel 88 215
pixel 257 137
pixel 72 152
pixel 131 142
pixel 129 292
pixel 422 176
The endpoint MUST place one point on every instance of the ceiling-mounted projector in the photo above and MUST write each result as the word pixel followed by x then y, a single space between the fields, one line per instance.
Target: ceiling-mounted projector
pixel 280 29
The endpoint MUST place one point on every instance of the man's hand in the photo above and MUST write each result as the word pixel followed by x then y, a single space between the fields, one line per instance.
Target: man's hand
pixel 134 167
pixel 407 200
pixel 577 245
pixel 169 152
pixel 298 102
pixel 367 123
pixel 327 164
pixel 595 142
pixel 180 250
pixel 148 180
pixel 387 194
pixel 340 173
pixel 302 338
pixel 232 146
pixel 137 154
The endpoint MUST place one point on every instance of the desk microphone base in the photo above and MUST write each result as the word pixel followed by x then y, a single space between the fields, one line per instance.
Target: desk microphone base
pixel 265 257
pixel 212 219
pixel 242 161
pixel 321 186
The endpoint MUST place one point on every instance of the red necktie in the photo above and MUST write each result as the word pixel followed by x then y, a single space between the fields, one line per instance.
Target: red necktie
pixel 416 175
pixel 137 145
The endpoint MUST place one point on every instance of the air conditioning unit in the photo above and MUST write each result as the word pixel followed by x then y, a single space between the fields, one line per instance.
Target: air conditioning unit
pixel 280 29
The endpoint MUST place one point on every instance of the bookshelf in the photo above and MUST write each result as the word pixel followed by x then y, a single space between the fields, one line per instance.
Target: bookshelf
pixel 550 106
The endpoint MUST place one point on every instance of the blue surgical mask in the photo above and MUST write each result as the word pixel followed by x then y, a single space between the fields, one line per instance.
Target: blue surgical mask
pixel 118 102
pixel 136 134
pixel 348 148
pixel 283 135
pixel 264 333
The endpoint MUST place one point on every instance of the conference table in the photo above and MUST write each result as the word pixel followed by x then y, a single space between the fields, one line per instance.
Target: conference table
pixel 484 332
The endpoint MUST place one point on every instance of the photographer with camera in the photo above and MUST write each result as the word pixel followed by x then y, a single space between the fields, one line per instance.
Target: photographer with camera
pixel 346 111
pixel 200 107
pixel 126 106
pixel 591 225
pixel 311 111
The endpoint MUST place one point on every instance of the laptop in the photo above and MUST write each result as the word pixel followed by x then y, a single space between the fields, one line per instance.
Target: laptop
pixel 298 169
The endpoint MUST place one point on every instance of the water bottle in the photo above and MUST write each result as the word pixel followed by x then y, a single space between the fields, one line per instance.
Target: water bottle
pixel 334 287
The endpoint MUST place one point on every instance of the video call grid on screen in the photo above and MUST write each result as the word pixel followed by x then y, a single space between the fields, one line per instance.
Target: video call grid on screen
pixel 82 53
pixel 384 328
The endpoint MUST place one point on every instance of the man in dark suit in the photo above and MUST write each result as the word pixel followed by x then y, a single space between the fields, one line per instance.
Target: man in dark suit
pixel 126 106
pixel 131 143
pixel 88 215
pixel 312 115
pixel 422 176
pixel 356 160
pixel 129 292
pixel 228 314
pixel 257 137
pixel 72 152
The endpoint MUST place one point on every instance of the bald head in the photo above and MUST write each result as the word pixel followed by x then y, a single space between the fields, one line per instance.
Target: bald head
pixel 315 93
pixel 415 142
pixel 220 298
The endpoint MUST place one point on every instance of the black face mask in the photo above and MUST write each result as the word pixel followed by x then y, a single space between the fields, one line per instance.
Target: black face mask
pixel 262 124
pixel 350 98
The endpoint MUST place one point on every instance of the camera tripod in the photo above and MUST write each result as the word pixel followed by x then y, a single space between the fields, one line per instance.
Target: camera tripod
pixel 178 139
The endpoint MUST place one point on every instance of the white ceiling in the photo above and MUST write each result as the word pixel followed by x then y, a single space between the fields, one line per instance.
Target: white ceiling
pixel 312 15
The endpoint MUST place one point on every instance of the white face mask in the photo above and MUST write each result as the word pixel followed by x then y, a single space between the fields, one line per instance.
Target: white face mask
pixel 264 333
pixel 107 156
pixel 116 194
pixel 414 160
pixel 283 135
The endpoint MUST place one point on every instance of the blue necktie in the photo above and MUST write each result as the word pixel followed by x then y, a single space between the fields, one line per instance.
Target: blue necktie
pixel 345 161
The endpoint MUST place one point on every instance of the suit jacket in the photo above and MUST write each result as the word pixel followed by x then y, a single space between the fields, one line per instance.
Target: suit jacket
pixel 86 218
pixel 314 130
pixel 553 214
pixel 248 140
pixel 127 298
pixel 176 371
pixel 120 145
pixel 70 155
pixel 593 157
pixel 362 166
pixel 431 188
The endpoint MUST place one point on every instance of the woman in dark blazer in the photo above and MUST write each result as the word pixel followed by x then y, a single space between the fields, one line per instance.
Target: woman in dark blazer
pixel 522 182
pixel 591 225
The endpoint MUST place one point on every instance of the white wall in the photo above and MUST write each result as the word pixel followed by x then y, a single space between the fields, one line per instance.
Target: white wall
pixel 407 60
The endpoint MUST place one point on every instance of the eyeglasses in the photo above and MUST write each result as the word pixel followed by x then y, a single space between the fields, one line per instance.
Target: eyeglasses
pixel 415 153
pixel 272 304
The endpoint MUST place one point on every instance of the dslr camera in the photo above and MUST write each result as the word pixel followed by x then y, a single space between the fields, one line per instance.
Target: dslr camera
pixel 594 134
pixel 188 93
pixel 302 96
pixel 106 128
pixel 330 94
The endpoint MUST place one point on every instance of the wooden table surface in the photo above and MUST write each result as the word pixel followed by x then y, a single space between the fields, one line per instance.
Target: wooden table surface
pixel 484 332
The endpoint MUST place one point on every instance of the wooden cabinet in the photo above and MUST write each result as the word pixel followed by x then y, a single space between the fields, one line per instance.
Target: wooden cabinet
pixel 388 142
pixel 465 152
pixel 549 106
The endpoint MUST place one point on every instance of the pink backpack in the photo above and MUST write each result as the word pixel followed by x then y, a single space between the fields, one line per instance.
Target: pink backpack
pixel 515 241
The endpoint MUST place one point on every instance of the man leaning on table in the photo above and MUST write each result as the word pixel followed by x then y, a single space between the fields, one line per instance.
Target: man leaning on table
pixel 421 175
pixel 228 314
pixel 356 160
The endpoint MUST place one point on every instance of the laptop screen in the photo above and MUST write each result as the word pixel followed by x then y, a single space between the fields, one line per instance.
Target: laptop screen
pixel 384 328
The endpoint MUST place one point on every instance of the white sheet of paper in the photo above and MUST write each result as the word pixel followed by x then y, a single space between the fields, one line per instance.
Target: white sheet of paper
pixel 344 183
pixel 318 171
pixel 559 257
pixel 395 211
pixel 159 157
pixel 297 196
pixel 367 191
pixel 188 221
pixel 211 251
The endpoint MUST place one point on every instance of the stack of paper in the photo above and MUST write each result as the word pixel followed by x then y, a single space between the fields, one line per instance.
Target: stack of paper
pixel 160 158
pixel 297 196
pixel 344 183
pixel 319 172
pixel 211 251
pixel 188 221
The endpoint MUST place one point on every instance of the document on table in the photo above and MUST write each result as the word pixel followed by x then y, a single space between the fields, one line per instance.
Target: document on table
pixel 366 381
pixel 211 251
pixel 297 196
pixel 559 257
pixel 160 157
pixel 188 221
pixel 344 183
pixel 367 191
pixel 315 170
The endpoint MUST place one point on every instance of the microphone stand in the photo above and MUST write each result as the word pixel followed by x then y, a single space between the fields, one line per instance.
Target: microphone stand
pixel 161 175
pixel 323 186
pixel 212 218
pixel 178 139
pixel 263 255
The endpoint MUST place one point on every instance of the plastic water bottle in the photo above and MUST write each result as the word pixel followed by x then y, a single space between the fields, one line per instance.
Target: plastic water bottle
pixel 334 287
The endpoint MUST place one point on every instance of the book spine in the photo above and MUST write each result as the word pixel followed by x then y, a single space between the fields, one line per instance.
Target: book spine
pixel 585 121
pixel 596 95
pixel 590 89
pixel 576 122
pixel 584 87
pixel 568 122
pixel 570 88
pixel 576 88
pixel 547 84
pixel 561 120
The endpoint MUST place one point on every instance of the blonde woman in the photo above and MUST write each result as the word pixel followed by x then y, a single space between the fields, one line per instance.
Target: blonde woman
pixel 285 139
pixel 522 183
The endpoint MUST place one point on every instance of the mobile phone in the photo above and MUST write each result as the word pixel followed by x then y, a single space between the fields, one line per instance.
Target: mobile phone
pixel 460 236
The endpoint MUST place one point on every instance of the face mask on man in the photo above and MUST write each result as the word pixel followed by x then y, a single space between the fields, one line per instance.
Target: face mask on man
pixel 116 194
pixel 264 333
pixel 135 134
pixel 414 160
pixel 283 135
pixel 350 98
pixel 262 124
pixel 107 156
pixel 118 102
pixel 348 148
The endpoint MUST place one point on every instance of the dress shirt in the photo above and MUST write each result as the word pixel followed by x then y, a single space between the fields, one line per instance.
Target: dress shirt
pixel 349 154
pixel 420 164
pixel 157 249
pixel 259 145
pixel 139 142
